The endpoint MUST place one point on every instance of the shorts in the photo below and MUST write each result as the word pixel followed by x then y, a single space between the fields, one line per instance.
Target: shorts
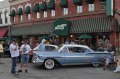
pixel 1 54
pixel 24 58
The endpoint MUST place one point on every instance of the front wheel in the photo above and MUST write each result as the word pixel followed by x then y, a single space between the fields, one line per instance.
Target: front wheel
pixel 49 64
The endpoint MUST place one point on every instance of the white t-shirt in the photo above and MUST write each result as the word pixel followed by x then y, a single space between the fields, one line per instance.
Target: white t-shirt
pixel 25 49
pixel 13 52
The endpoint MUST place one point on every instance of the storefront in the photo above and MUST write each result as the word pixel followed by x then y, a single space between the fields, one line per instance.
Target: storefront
pixel 68 30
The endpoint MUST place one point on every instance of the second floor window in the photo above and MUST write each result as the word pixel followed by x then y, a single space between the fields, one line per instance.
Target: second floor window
pixel 52 12
pixel 91 7
pixel 6 20
pixel 65 11
pixel 13 18
pixel 79 8
pixel 103 5
pixel 38 15
pixel 20 18
pixel 0 18
pixel 28 16
pixel 45 14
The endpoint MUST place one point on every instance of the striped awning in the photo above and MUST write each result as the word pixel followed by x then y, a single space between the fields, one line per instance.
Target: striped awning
pixel 19 31
pixel 42 29
pixel 32 30
pixel 90 25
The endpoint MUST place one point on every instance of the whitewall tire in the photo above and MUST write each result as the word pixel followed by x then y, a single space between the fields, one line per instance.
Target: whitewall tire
pixel 49 64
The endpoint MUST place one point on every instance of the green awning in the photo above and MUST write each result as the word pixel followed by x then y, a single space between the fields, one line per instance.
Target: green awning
pixel 20 11
pixel 84 36
pixel 77 2
pixel 43 6
pixel 51 4
pixel 90 1
pixel 92 25
pixel 64 3
pixel 36 7
pixel 27 10
pixel 102 0
pixel 12 13
pixel 62 27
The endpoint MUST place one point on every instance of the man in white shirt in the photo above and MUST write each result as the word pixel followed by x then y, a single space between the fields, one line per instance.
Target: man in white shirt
pixel 14 51
pixel 24 49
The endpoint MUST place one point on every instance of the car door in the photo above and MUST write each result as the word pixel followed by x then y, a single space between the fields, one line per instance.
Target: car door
pixel 78 56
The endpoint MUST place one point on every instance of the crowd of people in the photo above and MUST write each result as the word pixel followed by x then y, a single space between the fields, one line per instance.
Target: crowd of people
pixel 25 49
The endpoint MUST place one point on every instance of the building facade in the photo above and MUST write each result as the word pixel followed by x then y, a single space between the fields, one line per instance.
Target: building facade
pixel 86 21
pixel 4 18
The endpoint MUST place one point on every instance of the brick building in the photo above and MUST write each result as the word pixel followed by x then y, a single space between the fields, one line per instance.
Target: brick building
pixel 85 20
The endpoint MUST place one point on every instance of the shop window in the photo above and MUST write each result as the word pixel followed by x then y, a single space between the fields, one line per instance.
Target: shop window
pixel 20 18
pixel 45 14
pixel 103 5
pixel 52 12
pixel 79 8
pixel 65 11
pixel 38 15
pixel 91 7
pixel 6 19
pixel 0 18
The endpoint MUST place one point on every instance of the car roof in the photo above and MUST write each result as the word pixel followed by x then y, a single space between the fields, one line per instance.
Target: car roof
pixel 51 45
pixel 75 45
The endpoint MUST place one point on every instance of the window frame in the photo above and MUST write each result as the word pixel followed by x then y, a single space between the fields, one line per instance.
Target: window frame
pixel 65 10
pixel 91 7
pixel 79 8
pixel 52 13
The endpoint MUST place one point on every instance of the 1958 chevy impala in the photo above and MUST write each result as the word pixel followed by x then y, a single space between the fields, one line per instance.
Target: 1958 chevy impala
pixel 69 54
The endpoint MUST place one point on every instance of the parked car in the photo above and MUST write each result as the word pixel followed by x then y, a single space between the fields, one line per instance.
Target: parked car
pixel 69 54
pixel 48 47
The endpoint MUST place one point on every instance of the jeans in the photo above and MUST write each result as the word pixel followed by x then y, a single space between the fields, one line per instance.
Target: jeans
pixel 14 64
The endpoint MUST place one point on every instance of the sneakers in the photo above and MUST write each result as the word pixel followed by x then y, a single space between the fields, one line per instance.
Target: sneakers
pixel 15 74
pixel 19 71
pixel 26 71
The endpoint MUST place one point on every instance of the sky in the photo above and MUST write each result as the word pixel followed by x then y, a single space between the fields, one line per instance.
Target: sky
pixel 1 0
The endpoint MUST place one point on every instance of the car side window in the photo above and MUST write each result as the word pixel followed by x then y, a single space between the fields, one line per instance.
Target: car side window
pixel 49 48
pixel 65 49
pixel 76 50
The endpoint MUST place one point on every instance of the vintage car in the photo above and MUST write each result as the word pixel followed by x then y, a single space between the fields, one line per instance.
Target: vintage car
pixel 69 54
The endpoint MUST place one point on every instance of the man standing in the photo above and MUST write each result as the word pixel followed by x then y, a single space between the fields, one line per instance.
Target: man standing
pixel 14 51
pixel 24 49
pixel 40 47
pixel 1 51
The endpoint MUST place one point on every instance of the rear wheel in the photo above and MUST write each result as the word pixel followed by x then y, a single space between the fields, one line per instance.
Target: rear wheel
pixel 49 64
pixel 96 64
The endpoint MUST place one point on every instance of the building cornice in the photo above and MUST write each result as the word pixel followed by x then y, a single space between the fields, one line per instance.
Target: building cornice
pixel 18 2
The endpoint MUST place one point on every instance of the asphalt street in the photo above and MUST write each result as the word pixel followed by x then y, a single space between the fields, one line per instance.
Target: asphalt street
pixel 68 72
